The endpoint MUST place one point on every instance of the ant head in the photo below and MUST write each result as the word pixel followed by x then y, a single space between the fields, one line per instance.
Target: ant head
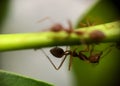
pixel 57 27
pixel 95 58
pixel 57 52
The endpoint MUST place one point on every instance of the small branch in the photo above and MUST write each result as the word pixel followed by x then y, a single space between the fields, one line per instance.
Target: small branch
pixel 109 32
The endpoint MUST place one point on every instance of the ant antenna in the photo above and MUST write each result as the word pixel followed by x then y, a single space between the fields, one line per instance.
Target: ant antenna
pixel 46 18
pixel 70 25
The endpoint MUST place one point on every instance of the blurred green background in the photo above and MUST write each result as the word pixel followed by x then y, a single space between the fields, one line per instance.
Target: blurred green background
pixel 106 72
pixel 4 8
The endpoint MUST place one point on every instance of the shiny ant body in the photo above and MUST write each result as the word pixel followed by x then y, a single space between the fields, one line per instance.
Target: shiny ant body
pixel 59 53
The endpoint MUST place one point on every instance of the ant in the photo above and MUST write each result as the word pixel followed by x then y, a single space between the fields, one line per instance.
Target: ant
pixel 57 27
pixel 59 53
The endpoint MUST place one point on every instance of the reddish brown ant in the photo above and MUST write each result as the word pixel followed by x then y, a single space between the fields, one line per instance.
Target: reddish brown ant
pixel 57 27
pixel 59 53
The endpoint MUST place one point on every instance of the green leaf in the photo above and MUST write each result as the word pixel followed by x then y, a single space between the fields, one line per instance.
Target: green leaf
pixel 12 79
pixel 106 72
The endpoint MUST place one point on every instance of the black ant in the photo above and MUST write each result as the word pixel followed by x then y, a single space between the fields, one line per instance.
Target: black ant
pixel 59 53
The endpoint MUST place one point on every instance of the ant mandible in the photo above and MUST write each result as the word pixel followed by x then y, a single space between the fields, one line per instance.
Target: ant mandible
pixel 59 53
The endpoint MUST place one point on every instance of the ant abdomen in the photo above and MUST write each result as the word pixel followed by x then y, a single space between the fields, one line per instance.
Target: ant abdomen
pixel 56 28
pixel 57 52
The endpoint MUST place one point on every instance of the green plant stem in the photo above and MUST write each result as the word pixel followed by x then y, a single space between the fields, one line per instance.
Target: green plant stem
pixel 47 39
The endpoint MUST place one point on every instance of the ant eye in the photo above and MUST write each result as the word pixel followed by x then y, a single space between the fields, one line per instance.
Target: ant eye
pixel 57 52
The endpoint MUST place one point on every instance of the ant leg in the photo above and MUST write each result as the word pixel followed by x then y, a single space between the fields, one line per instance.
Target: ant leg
pixel 70 25
pixel 86 49
pixel 57 68
pixel 49 59
pixel 61 63
pixel 70 62
pixel 92 49
pixel 88 22
pixel 87 46
pixel 43 19
pixel 81 55
pixel 69 30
